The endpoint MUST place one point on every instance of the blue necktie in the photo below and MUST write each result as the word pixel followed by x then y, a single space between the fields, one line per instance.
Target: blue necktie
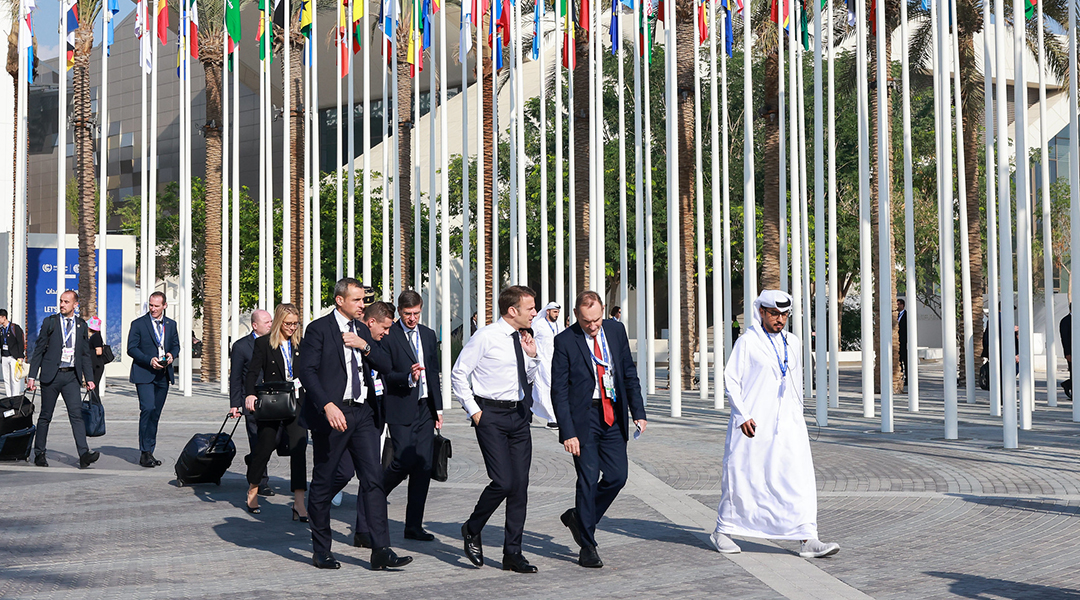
pixel 355 366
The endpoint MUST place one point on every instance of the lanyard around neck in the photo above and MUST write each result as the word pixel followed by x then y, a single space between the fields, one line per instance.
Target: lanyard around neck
pixel 783 364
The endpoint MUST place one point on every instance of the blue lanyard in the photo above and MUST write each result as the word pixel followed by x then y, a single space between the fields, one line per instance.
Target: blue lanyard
pixel 416 340
pixel 69 334
pixel 783 365
pixel 286 347
pixel 160 335
pixel 605 361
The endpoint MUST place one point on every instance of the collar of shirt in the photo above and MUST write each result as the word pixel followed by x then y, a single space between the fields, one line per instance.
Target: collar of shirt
pixel 342 321
pixel 505 327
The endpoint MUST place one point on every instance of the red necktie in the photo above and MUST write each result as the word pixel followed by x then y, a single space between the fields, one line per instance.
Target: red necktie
pixel 605 402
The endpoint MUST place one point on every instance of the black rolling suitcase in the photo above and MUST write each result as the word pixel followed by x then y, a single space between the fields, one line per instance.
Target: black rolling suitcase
pixel 206 456
pixel 17 444
pixel 16 414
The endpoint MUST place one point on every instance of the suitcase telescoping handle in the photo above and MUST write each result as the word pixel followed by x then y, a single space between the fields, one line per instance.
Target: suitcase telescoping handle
pixel 221 429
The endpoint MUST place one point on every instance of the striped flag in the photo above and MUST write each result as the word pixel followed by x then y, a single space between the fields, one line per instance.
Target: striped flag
pixel 72 8
pixel 163 21
pixel 142 33
pixel 613 29
pixel 702 22
pixel 569 51
pixel 464 33
pixel 193 27
pixel 113 8
pixel 305 18
pixel 357 15
pixel 26 35
pixel 728 29
pixel 343 39
pixel 538 12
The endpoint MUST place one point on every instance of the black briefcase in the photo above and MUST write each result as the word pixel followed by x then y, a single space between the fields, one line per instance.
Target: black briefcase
pixel 93 414
pixel 207 456
pixel 440 460
pixel 276 401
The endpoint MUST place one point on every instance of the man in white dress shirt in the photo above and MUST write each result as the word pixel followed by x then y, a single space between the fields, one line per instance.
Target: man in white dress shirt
pixel 493 379
pixel 768 488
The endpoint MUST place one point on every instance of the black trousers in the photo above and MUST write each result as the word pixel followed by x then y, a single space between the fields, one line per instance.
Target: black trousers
pixel 603 450
pixel 342 476
pixel 360 441
pixel 266 444
pixel 65 384
pixel 252 426
pixel 413 445
pixel 506 443
pixel 151 401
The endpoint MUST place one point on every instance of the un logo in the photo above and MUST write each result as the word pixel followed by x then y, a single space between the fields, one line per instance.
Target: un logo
pixel 47 268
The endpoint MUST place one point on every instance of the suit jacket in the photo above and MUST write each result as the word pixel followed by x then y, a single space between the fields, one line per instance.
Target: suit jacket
pixel 573 378
pixel 239 360
pixel 267 364
pixel 50 344
pixel 142 346
pixel 401 400
pixel 324 374
pixel 16 341
pixel 902 324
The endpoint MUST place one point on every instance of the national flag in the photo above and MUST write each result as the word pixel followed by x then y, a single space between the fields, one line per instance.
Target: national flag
pixel 1029 8
pixel 388 16
pixel 645 31
pixel 163 21
pixel 538 11
pixel 110 14
pixel 502 26
pixel 851 12
pixel 181 60
pixel 425 22
pixel 774 12
pixel 584 19
pixel 569 41
pixel 357 15
pixel 728 28
pixel 232 21
pixel 142 33
pixel 26 35
pixel 703 24
pixel 305 18
pixel 193 26
pixel 343 39
pixel 464 33
pixel 266 38
pixel 613 29
pixel 72 8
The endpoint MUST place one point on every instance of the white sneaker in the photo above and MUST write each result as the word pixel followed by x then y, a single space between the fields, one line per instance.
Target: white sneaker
pixel 336 500
pixel 724 544
pixel 817 549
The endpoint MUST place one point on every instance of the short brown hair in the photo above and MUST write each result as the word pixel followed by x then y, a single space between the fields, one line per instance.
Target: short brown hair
pixel 587 298
pixel 409 299
pixel 379 311
pixel 511 296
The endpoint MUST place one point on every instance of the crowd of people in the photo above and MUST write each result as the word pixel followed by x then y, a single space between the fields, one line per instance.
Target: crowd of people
pixel 356 373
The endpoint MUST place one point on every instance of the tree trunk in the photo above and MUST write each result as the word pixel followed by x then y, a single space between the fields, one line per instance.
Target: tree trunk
pixel 13 70
pixel 875 217
pixel 84 169
pixel 973 118
pixel 770 226
pixel 298 165
pixel 581 110
pixel 490 220
pixel 686 49
pixel 404 132
pixel 211 59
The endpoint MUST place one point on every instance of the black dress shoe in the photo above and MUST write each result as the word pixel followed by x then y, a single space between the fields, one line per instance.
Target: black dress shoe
pixel 146 460
pixel 384 558
pixel 589 558
pixel 157 463
pixel 474 549
pixel 517 563
pixel 39 460
pixel 569 518
pixel 325 561
pixel 266 490
pixel 362 539
pixel 88 457
pixel 418 534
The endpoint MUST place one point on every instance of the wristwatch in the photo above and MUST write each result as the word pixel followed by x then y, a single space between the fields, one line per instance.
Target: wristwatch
pixel 366 349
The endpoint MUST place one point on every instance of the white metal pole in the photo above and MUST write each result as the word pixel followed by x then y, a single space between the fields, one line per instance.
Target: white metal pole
pixel 624 276
pixel 834 307
pixel 144 118
pixel 719 290
pixel 388 97
pixel 948 275
pixel 151 223
pixel 287 208
pixel 674 310
pixel 263 141
pixel 749 203
pixel 911 301
pixel 545 273
pixel 699 210
pixel 350 233
pixel 641 299
pixel 965 254
pixel 103 188
pixel 447 271
pixel 1008 379
pixel 236 197
pixel 821 280
pixel 729 315
pixel 865 275
pixel 1023 220
pixel 365 146
pixel 650 274
pixel 1048 250
pixel 481 258
pixel 339 254
pixel 560 248
pixel 466 238
pixel 993 295
pixel 226 120
pixel 884 190
pixel 781 156
pixel 1074 174
pixel 519 110
pixel 315 174
pixel 61 169
pixel 18 261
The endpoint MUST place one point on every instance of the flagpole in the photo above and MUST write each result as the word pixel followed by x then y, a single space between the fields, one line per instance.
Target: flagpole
pixel 1048 250
pixel 387 190
pixel 396 168
pixel 781 155
pixel 545 283
pixel 590 279
pixel 434 192
pixel 834 318
pixel 885 305
pixel 993 295
pixel 945 218
pixel 1023 221
pixel 624 276
pixel 1074 174
pixel 103 189
pixel 866 283
pixel 340 163
pixel 447 271
pixel 519 110
pixel 795 257
pixel 560 248
pixel 481 273
pixel 365 144
pixel 911 301
pixel 725 190
pixel 151 221
pixel 18 262
pixel 674 283
pixel 466 236
pixel 236 196
pixel 717 220
pixel 185 210
pixel 263 193
pixel 308 153
pixel 749 203
pixel 61 155
pixel 699 209
pixel 598 264
pixel 496 280
pixel 286 161
pixel 418 231
pixel 650 274
pixel 269 181
pixel 821 279
pixel 223 338
pixel 144 249
pixel 961 183
pixel 571 164
pixel 640 299
pixel 515 119
pixel 315 175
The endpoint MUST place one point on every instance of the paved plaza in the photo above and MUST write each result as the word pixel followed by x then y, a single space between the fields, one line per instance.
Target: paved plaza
pixel 916 516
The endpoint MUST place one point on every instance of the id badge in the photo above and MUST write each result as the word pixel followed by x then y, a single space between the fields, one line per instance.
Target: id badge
pixel 161 353
pixel 378 387
pixel 609 385
pixel 68 355
pixel 5 348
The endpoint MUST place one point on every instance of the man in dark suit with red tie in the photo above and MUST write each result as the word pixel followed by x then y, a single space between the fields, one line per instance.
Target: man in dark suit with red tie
pixel 336 374
pixel 594 390
pixel 412 402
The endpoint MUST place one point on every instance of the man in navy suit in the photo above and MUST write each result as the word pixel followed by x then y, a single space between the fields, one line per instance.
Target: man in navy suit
pixel 153 345
pixel 413 400
pixel 336 373
pixel 62 357
pixel 238 363
pixel 594 387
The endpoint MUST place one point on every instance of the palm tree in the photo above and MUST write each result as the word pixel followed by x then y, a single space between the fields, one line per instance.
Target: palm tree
pixel 580 122
pixel 687 45
pixel 970 22
pixel 13 69
pixel 82 123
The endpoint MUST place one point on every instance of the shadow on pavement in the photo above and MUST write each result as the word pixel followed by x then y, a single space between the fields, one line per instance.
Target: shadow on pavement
pixel 1028 505
pixel 130 455
pixel 974 586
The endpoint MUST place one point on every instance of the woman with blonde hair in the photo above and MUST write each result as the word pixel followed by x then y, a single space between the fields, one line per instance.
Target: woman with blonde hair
pixel 273 358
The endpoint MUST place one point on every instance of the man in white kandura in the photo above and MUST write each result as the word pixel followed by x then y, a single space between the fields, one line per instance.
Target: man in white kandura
pixel 545 327
pixel 768 488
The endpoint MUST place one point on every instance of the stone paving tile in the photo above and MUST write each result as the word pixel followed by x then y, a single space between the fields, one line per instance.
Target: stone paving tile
pixel 917 516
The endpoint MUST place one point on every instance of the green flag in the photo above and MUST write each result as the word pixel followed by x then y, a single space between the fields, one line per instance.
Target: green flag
pixel 232 20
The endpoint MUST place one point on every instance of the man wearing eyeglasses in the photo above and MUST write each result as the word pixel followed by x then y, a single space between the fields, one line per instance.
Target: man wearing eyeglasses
pixel 768 488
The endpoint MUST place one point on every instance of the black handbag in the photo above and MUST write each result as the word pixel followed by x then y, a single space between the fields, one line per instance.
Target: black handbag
pixel 440 460
pixel 107 355
pixel 93 414
pixel 275 401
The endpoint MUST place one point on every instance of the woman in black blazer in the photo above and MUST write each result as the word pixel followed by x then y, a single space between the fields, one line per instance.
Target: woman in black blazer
pixel 274 357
